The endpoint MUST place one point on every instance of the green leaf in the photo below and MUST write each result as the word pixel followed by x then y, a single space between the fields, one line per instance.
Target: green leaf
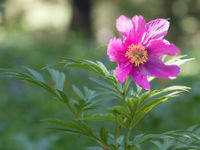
pixel 163 57
pixel 120 140
pixel 106 89
pixel 109 116
pixel 150 94
pixel 73 127
pixel 87 99
pixel 71 60
pixel 96 67
pixel 120 120
pixel 35 74
pixel 30 78
pixel 178 60
pixel 93 148
pixel 70 124
pixel 103 68
pixel 68 130
pixel 120 110
pixel 184 139
pixel 78 92
pixel 88 129
pixel 89 94
pixel 58 77
pixel 106 93
pixel 193 128
pixel 104 134
pixel 82 106
pixel 65 100
pixel 96 119
pixel 133 105
pixel 103 84
pixel 147 107
pixel 117 115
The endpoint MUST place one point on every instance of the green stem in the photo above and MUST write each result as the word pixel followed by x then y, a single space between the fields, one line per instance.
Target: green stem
pixel 118 128
pixel 118 90
pixel 127 139
pixel 139 91
pixel 129 129
pixel 67 105
pixel 102 145
pixel 125 91
pixel 117 131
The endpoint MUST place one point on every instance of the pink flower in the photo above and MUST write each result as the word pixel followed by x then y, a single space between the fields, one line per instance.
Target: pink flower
pixel 137 55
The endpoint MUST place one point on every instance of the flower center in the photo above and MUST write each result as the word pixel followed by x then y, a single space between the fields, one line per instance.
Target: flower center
pixel 136 54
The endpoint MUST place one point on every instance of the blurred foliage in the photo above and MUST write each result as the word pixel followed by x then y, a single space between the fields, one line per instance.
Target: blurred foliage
pixel 35 32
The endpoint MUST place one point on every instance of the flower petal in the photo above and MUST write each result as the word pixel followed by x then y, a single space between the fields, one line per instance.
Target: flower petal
pixel 122 71
pixel 156 29
pixel 115 50
pixel 124 25
pixel 137 31
pixel 132 38
pixel 156 68
pixel 161 47
pixel 139 78
pixel 139 25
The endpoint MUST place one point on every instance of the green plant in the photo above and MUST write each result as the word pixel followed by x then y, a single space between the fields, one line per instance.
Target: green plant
pixel 132 104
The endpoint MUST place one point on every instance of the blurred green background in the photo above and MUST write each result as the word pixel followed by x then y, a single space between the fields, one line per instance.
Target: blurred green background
pixel 35 33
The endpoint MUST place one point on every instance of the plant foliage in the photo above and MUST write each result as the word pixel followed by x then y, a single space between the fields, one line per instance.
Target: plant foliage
pixel 132 104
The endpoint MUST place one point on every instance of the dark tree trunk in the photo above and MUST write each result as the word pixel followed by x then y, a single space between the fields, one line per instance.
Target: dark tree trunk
pixel 81 16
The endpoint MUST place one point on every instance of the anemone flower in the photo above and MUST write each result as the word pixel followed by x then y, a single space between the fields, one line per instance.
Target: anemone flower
pixel 139 51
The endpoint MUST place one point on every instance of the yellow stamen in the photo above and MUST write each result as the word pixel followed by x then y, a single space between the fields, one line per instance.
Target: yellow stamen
pixel 136 54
